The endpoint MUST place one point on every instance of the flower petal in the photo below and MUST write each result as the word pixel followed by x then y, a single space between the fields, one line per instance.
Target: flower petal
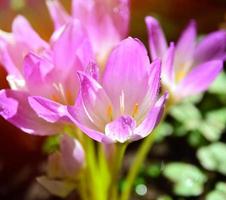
pixel 168 65
pixel 80 118
pixel 73 157
pixel 117 10
pixel 157 40
pixel 121 129
pixel 71 52
pixel 185 48
pixel 212 47
pixel 8 57
pixel 126 76
pixel 48 110
pixel 199 78
pixel 105 21
pixel 71 48
pixel 24 33
pixel 151 120
pixel 57 12
pixel 16 109
pixel 36 72
pixel 152 91
pixel 13 47
pixel 96 102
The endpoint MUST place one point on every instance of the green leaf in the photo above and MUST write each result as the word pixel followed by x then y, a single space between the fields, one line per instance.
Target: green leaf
pixel 219 193
pixel 210 131
pixel 213 125
pixel 196 139
pixel 188 179
pixel 218 86
pixel 165 197
pixel 153 170
pixel 194 98
pixel 187 114
pixel 164 130
pixel 213 157
pixel 51 144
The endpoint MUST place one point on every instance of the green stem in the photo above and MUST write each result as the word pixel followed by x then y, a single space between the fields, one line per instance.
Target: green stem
pixel 93 181
pixel 141 156
pixel 138 161
pixel 104 170
pixel 115 167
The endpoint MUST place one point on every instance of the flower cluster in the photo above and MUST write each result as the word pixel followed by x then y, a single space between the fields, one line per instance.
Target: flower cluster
pixel 93 77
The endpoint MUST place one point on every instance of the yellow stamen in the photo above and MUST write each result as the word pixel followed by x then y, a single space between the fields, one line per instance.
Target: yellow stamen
pixel 69 97
pixel 135 109
pixel 122 102
pixel 180 75
pixel 110 113
pixel 55 98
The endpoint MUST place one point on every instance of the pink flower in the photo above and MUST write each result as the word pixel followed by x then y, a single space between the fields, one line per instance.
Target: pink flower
pixel 123 105
pixel 191 66
pixel 49 72
pixel 106 22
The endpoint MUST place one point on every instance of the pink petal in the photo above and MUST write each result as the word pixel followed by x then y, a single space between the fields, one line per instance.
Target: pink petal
pixel 152 91
pixel 199 78
pixel 96 102
pixel 48 110
pixel 157 40
pixel 16 109
pixel 71 52
pixel 185 48
pixel 105 21
pixel 82 121
pixel 72 48
pixel 73 158
pixel 57 12
pixel 37 71
pixel 8 57
pixel 13 47
pixel 168 65
pixel 117 10
pixel 121 129
pixel 212 47
pixel 126 76
pixel 24 33
pixel 151 120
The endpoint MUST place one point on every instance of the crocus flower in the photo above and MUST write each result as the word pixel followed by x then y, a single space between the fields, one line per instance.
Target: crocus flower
pixel 123 105
pixel 106 22
pixel 64 167
pixel 13 48
pixel 50 73
pixel 190 66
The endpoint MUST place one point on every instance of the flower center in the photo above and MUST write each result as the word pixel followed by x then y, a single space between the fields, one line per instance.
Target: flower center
pixel 62 95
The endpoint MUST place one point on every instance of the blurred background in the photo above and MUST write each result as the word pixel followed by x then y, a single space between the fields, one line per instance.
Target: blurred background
pixel 21 154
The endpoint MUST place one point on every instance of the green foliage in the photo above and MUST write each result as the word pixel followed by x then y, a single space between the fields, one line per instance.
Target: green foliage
pixel 190 119
pixel 165 197
pixel 51 144
pixel 218 86
pixel 196 139
pixel 153 170
pixel 219 193
pixel 213 157
pixel 214 124
pixel 188 179
pixel 187 114
pixel 164 130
